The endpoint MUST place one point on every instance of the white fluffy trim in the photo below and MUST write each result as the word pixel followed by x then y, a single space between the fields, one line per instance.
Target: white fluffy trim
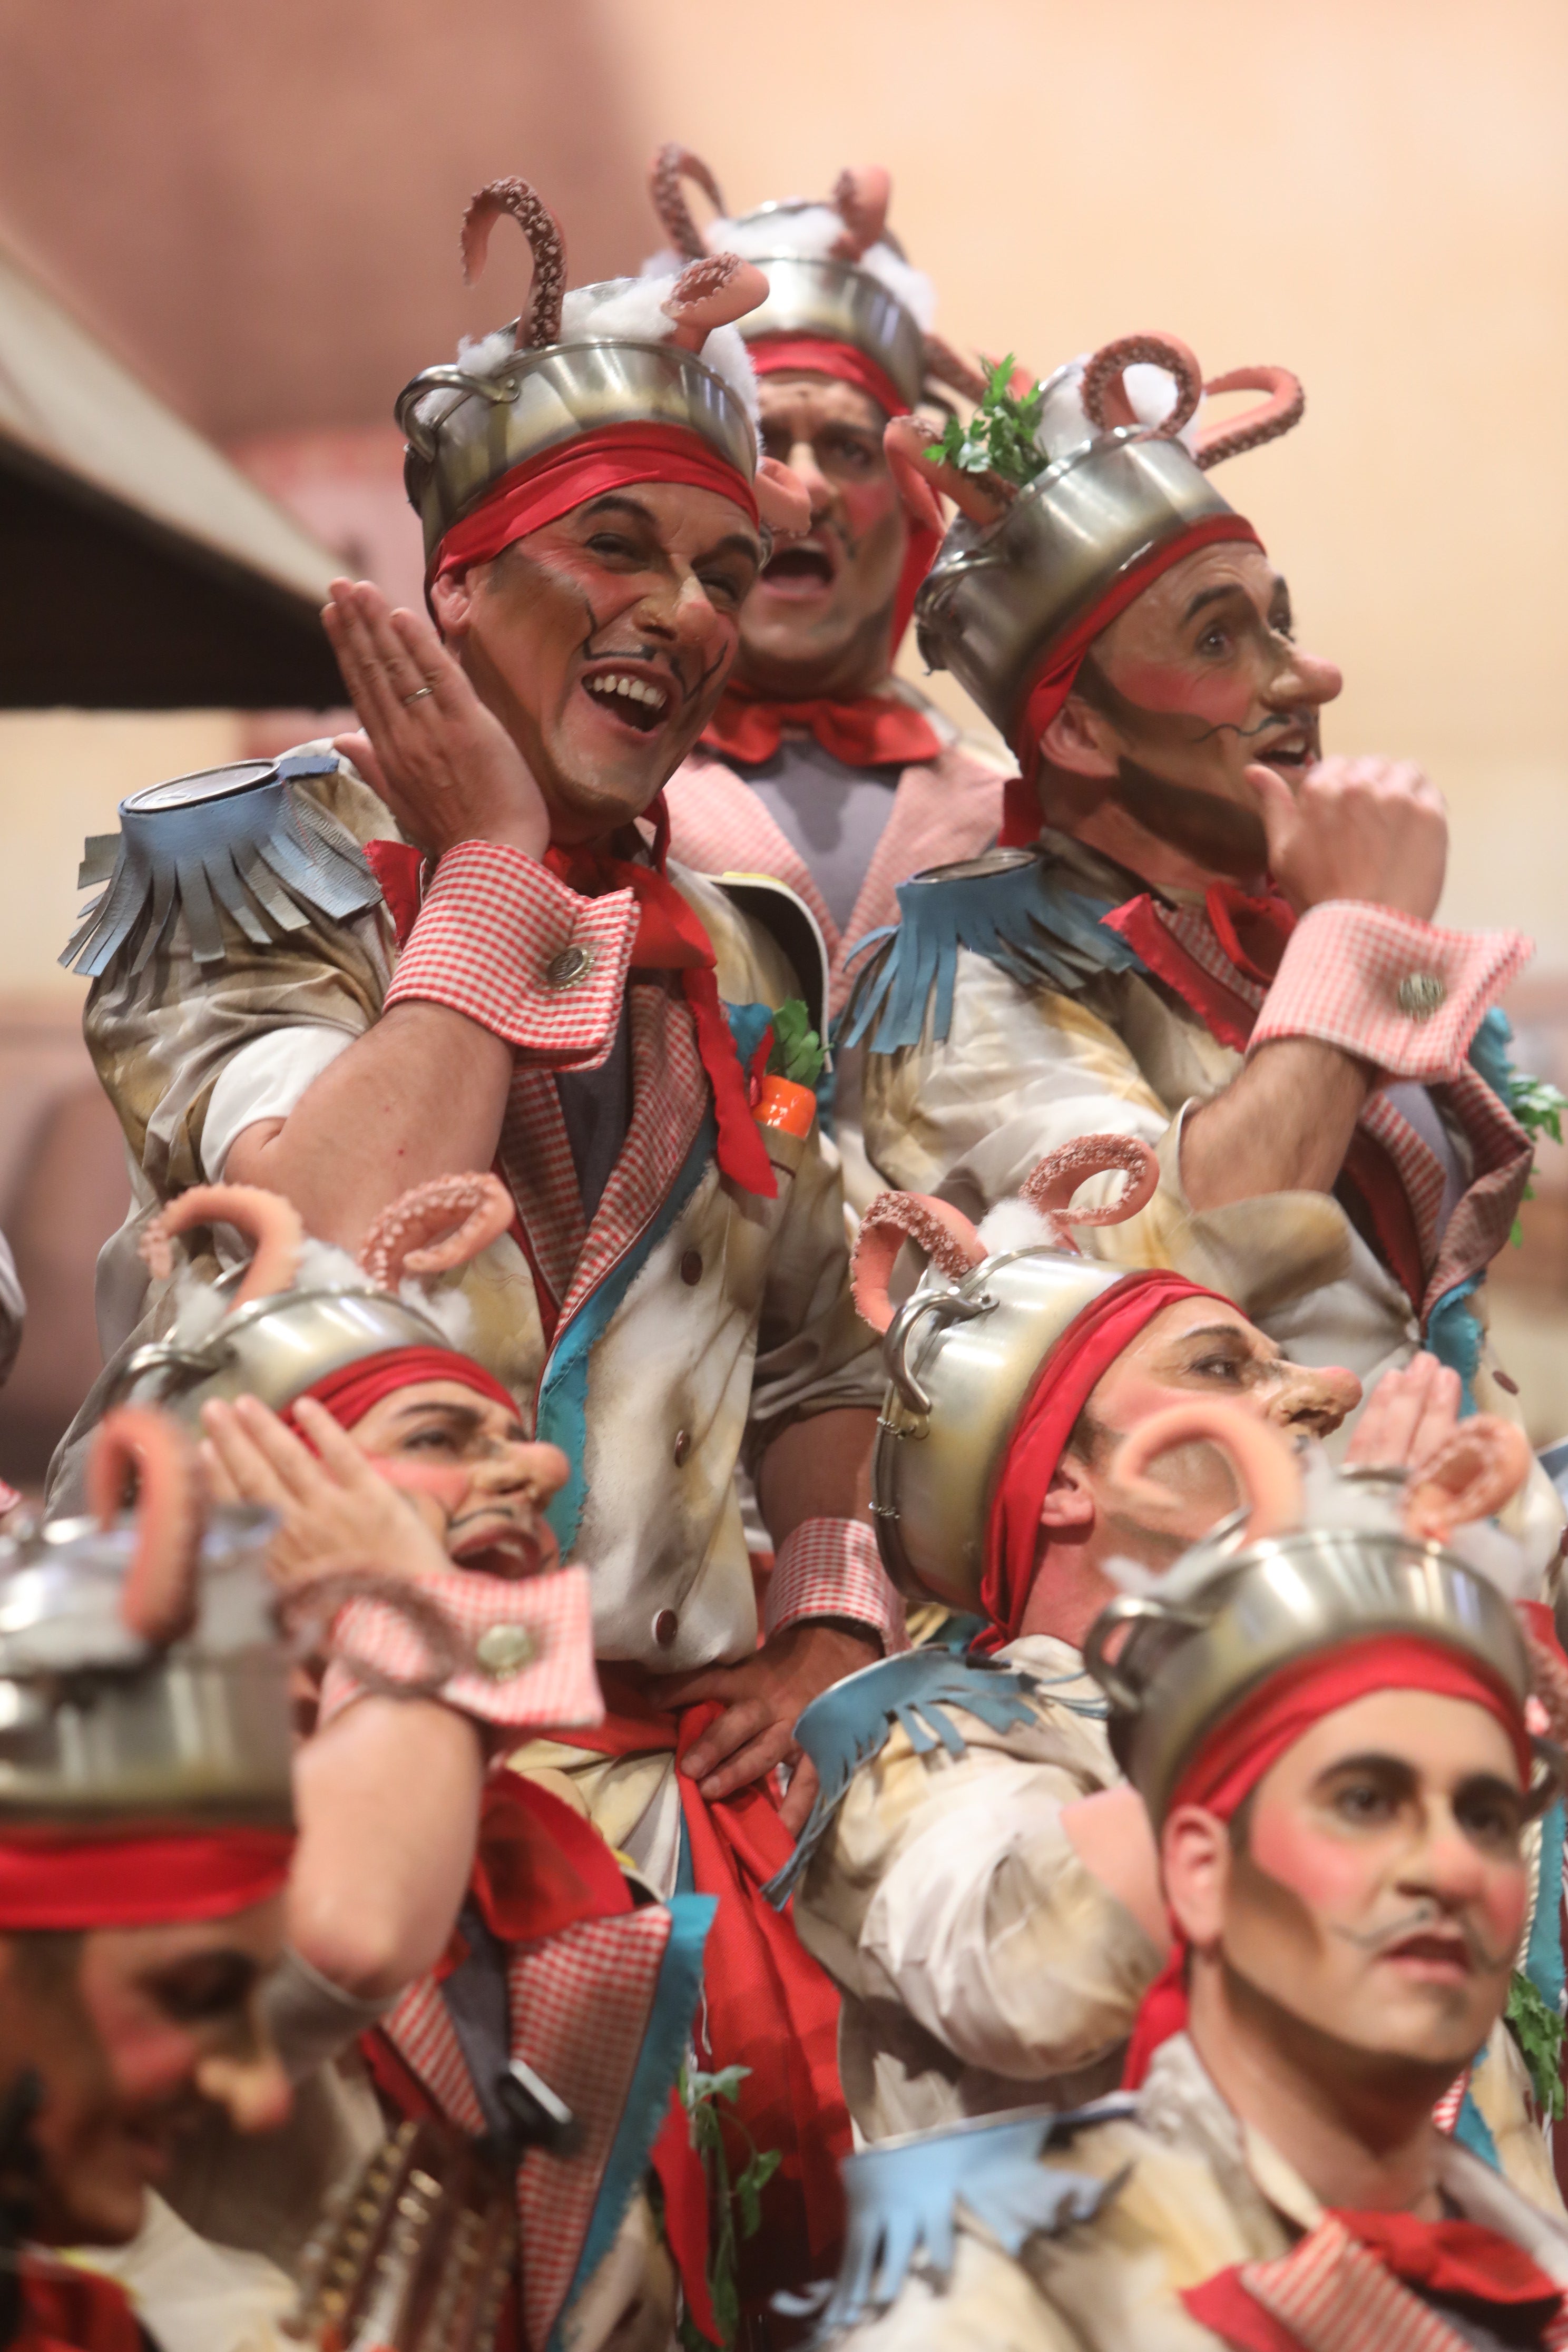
pixel 812 234
pixel 628 309
pixel 1014 1225
pixel 1149 390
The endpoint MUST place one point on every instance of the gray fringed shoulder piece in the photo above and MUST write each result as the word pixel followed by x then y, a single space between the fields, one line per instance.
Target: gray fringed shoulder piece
pixel 904 2199
pixel 850 1724
pixel 1007 907
pixel 236 837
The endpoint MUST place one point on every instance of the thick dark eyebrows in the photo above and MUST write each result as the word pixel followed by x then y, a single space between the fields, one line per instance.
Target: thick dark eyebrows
pixel 736 543
pixel 1206 596
pixel 1487 1784
pixel 616 502
pixel 1387 1769
pixel 466 1416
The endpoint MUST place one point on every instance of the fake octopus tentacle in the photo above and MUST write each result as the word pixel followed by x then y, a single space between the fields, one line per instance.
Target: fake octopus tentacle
pixel 436 1227
pixel 944 1232
pixel 1104 395
pixel 540 323
pixel 944 366
pixel 1051 1183
pixel 860 198
pixel 1266 1468
pixel 712 292
pixel 1284 407
pixel 671 165
pixel 982 496
pixel 1473 1473
pixel 158 1600
pixel 267 1220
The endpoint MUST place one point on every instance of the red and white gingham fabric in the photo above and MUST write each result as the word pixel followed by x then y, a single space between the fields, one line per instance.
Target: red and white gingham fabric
pixel 493 923
pixel 829 1567
pixel 1333 2296
pixel 556 1688
pixel 579 2005
pixel 1338 979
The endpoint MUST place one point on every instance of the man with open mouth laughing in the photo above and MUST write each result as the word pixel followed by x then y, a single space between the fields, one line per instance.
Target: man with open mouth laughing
pixel 1197 930
pixel 817 766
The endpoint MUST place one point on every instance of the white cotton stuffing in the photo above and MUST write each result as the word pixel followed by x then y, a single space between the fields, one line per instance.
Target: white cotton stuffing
pixel 628 309
pixel 1016 1225
pixel 811 233
pixel 1149 390
pixel 200 1306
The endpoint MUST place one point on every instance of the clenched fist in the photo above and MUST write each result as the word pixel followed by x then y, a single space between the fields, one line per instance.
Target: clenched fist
pixel 1368 828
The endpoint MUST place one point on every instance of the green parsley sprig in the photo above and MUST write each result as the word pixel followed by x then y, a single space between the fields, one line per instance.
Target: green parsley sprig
pixel 701 2095
pixel 999 438
pixel 1538 2030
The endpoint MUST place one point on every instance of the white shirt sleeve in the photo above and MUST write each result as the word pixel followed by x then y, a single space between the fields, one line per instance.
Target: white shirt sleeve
pixel 265 1080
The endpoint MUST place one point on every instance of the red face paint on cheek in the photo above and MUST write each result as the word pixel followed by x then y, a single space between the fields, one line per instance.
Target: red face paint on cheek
pixel 867 504
pixel 1336 1878
pixel 1220 698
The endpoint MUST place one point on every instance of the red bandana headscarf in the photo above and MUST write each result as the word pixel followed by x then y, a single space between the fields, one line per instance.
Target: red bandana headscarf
pixel 349 1394
pixel 1248 1742
pixel 65 1884
pixel 1058 672
pixel 1063 1386
pixel 875 730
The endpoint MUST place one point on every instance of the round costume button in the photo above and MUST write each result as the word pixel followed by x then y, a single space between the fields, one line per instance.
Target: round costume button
pixel 691 1268
pixel 503 1651
pixel 666 1626
pixel 682 1447
pixel 573 964
pixel 1420 993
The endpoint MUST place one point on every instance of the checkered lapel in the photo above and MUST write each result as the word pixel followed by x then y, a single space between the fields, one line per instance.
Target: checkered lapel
pixel 1332 2296
pixel 578 2007
pixel 1500 1148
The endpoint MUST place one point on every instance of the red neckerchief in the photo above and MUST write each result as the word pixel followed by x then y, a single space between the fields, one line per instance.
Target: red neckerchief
pixel 670 938
pixel 1476 2267
pixel 65 2309
pixel 873 731
pixel 1252 933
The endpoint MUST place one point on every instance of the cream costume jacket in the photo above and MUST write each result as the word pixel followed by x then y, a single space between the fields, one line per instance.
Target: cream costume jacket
pixel 1083 2239
pixel 243 943
pixel 1043 994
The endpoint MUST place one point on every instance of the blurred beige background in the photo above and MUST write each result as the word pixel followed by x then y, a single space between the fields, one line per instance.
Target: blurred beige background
pixel 258 208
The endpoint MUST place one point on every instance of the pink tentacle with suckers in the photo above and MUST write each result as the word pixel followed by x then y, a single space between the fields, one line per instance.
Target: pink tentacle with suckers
pixel 861 199
pixel 943 1232
pixel 540 323
pixel 906 441
pixel 435 1227
pixel 1473 1473
pixel 672 165
pixel 1051 1183
pixel 1284 407
pixel 270 1222
pixel 158 1600
pixel 1104 395
pixel 1266 1468
pixel 944 366
pixel 712 292
pixel 1548 1678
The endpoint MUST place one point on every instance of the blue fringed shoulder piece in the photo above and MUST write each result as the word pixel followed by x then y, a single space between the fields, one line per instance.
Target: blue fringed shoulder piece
pixel 903 2201
pixel 1006 908
pixel 237 838
pixel 849 1725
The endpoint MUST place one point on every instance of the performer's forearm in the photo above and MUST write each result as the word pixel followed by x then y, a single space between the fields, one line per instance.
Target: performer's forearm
pixel 388 1804
pixel 422 1094
pixel 1283 1126
pixel 819 1469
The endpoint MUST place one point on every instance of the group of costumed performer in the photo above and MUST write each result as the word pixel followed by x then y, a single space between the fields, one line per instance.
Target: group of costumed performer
pixel 1334 1743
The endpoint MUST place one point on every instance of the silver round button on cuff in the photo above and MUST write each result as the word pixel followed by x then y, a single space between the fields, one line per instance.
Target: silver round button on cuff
pixel 666 1626
pixel 571 965
pixel 1420 993
pixel 503 1651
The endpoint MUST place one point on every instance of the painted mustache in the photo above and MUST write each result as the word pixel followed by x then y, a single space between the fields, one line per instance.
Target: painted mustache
pixel 1420 1920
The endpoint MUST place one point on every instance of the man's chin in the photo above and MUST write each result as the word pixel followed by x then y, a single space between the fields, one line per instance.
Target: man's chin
pixel 604 777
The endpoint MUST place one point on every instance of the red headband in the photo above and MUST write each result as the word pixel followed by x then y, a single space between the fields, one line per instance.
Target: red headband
pixel 1058 673
pixel 348 1395
pixel 817 355
pixel 75 1884
pixel 1063 1386
pixel 1246 1745
pixel 545 487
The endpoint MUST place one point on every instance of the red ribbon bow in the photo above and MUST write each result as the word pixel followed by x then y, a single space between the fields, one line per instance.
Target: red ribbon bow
pixel 875 730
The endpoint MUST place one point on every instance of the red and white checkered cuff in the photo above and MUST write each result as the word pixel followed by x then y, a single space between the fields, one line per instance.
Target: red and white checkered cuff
pixel 500 939
pixel 530 1643
pixel 829 1567
pixel 1404 995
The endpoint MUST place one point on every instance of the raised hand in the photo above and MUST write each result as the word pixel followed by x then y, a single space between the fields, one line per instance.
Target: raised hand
pixel 443 763
pixel 1371 829
pixel 332 1505
pixel 1412 1412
